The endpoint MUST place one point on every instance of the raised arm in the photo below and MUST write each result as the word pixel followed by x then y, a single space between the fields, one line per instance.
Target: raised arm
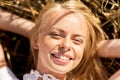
pixel 15 24
pixel 109 48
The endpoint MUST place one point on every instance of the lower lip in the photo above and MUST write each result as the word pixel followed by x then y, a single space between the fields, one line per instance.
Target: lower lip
pixel 59 61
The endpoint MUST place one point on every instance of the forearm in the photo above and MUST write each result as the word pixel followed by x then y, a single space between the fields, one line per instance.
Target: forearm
pixel 15 24
pixel 109 48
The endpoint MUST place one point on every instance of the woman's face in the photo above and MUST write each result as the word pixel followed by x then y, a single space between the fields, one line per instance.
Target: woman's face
pixel 61 47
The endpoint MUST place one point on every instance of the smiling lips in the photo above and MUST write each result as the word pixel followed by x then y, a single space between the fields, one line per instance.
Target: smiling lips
pixel 61 59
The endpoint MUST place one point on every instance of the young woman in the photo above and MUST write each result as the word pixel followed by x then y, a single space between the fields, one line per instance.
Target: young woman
pixel 64 44
pixel 65 39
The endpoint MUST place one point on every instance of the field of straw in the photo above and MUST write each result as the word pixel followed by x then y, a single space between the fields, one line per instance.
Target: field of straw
pixel 16 47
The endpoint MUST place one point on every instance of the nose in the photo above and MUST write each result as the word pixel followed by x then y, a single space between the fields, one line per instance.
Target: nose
pixel 65 45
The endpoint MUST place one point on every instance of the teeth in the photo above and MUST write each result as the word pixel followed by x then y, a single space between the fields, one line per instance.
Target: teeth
pixel 60 56
pixel 64 58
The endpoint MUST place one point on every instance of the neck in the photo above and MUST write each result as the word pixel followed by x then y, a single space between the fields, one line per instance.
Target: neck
pixel 44 70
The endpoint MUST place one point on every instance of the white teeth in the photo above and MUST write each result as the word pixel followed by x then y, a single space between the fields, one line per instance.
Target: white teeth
pixel 60 56
pixel 64 58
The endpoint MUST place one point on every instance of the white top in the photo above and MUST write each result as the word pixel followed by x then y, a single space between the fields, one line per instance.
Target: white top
pixel 7 74
pixel 34 75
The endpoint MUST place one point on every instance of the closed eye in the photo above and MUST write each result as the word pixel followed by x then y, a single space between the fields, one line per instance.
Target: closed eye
pixel 55 35
pixel 78 41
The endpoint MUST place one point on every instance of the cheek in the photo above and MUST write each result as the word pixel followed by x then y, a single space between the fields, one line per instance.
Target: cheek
pixel 79 52
pixel 46 45
pixel 79 55
pixel 42 47
pixel 51 43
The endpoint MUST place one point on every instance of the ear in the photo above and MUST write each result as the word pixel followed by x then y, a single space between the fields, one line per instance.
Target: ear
pixel 35 43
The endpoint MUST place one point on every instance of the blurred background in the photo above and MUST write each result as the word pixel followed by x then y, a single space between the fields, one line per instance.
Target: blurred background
pixel 17 49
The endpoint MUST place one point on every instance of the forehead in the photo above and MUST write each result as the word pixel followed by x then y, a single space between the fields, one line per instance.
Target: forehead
pixel 53 16
pixel 72 22
pixel 64 17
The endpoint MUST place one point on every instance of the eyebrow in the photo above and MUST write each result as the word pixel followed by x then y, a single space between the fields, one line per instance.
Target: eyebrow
pixel 79 35
pixel 58 29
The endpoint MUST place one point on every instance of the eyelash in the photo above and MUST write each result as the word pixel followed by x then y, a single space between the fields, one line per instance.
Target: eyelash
pixel 78 41
pixel 54 35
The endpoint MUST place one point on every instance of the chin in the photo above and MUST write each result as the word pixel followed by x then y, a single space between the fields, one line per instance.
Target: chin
pixel 61 69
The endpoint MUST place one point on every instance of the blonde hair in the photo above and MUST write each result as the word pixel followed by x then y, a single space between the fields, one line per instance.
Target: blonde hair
pixel 90 68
